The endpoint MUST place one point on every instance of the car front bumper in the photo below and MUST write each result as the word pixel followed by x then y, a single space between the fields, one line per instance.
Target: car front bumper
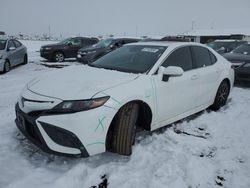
pixel 80 134
pixel 46 54
pixel 85 58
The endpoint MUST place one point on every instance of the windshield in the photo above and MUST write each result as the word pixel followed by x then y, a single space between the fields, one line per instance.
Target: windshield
pixel 242 49
pixel 103 43
pixel 131 58
pixel 2 44
pixel 218 45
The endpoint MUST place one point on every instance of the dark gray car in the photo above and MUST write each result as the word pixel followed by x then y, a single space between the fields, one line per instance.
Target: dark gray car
pixel 240 59
pixel 12 53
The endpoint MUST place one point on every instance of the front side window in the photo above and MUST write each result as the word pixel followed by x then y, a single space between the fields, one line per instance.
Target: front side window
pixel 181 57
pixel 201 56
pixel 76 42
pixel 2 44
pixel 131 58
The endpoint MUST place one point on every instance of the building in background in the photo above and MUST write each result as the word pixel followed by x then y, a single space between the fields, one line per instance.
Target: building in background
pixel 2 33
pixel 208 35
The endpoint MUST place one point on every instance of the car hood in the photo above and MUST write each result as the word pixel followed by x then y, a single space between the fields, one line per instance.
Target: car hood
pixel 90 48
pixel 233 57
pixel 78 82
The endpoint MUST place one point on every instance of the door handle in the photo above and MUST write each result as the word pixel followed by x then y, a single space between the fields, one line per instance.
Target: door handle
pixel 194 77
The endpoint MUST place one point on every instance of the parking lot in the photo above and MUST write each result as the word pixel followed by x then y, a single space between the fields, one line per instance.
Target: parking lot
pixel 209 149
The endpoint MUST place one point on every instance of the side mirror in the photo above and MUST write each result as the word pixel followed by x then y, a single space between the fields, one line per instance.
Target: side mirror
pixel 11 48
pixel 221 50
pixel 112 46
pixel 69 44
pixel 170 71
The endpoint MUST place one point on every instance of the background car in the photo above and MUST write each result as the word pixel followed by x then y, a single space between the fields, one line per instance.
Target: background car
pixel 65 49
pixel 12 53
pixel 225 46
pixel 240 59
pixel 92 53
pixel 86 110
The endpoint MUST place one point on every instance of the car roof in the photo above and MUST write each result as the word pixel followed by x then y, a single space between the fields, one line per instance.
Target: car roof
pixel 166 43
pixel 228 40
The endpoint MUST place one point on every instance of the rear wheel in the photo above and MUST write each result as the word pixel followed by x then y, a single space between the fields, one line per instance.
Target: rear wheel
pixel 221 95
pixel 6 67
pixel 58 57
pixel 125 129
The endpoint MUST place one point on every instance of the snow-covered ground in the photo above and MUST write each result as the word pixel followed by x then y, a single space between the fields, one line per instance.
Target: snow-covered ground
pixel 210 149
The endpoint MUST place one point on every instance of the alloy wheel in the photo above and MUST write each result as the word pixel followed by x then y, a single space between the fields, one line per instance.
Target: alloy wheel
pixel 59 57
pixel 223 94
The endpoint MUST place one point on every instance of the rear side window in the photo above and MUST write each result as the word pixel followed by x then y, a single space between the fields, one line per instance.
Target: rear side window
pixel 180 58
pixel 88 41
pixel 212 57
pixel 17 43
pixel 11 44
pixel 201 56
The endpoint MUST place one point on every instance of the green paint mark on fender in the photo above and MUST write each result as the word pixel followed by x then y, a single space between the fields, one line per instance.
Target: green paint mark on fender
pixel 100 123
pixel 94 143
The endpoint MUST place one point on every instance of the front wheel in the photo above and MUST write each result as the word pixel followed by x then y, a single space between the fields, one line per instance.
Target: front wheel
pixel 59 57
pixel 221 96
pixel 125 129
pixel 6 67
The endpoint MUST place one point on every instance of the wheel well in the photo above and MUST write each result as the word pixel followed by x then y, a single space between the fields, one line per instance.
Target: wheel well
pixel 143 122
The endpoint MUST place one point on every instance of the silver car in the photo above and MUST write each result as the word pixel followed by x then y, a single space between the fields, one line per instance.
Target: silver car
pixel 12 53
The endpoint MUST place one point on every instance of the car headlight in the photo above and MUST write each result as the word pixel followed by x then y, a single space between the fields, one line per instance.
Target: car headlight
pixel 91 52
pixel 47 48
pixel 79 105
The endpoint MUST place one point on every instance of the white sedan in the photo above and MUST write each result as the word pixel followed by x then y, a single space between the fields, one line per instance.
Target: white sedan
pixel 86 110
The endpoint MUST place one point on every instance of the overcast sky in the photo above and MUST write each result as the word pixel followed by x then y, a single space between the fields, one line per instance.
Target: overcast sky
pixel 121 17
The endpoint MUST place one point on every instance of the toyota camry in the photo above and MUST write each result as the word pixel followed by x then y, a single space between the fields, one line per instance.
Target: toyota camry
pixel 89 109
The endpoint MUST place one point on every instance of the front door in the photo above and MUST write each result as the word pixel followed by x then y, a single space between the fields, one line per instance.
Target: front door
pixel 177 95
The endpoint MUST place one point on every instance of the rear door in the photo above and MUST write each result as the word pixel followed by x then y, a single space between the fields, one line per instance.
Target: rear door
pixel 177 95
pixel 20 51
pixel 205 64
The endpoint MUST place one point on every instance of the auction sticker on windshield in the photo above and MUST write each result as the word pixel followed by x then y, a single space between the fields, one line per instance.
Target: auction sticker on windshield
pixel 153 50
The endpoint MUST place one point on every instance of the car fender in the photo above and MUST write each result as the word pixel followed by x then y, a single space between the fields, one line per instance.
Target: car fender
pixel 139 89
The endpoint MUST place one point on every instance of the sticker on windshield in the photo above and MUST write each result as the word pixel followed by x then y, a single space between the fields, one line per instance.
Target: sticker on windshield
pixel 152 50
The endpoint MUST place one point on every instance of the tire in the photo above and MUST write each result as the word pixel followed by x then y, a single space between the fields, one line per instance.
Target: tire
pixel 125 129
pixel 6 67
pixel 58 57
pixel 25 59
pixel 221 96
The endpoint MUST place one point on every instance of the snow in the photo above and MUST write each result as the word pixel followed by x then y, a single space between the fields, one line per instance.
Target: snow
pixel 203 151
